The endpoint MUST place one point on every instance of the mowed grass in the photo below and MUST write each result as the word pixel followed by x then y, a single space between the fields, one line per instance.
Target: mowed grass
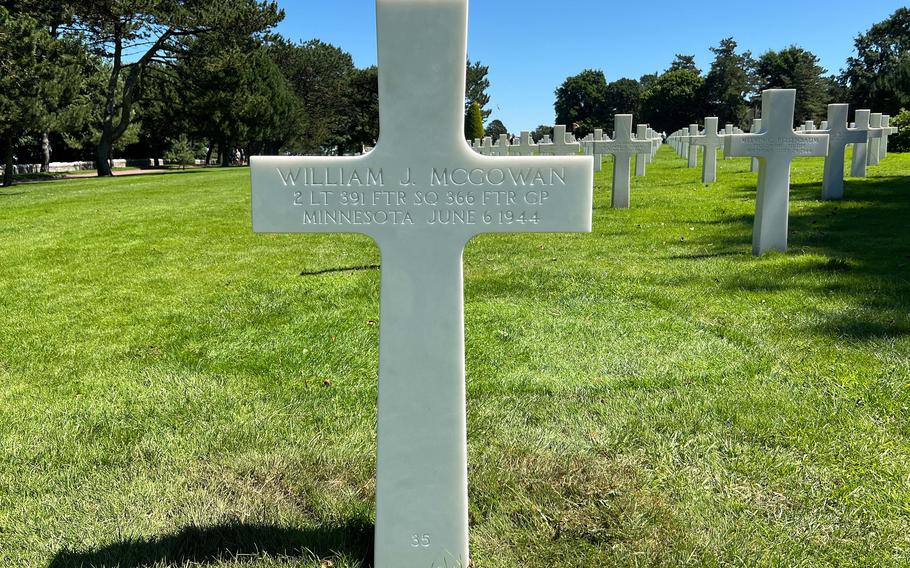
pixel 178 391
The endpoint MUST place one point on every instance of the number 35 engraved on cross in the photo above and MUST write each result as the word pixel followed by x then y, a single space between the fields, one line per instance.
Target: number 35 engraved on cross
pixel 420 541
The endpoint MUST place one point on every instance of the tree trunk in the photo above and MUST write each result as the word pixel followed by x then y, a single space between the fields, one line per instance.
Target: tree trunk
pixel 226 156
pixel 8 163
pixel 46 152
pixel 208 153
pixel 103 158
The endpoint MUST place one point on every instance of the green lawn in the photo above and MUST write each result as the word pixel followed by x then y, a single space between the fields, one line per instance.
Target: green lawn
pixel 177 391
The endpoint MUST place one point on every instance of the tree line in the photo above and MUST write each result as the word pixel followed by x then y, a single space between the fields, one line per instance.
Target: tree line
pixel 97 79
pixel 876 77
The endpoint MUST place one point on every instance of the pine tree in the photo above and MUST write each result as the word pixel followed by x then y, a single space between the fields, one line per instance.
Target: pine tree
pixel 473 122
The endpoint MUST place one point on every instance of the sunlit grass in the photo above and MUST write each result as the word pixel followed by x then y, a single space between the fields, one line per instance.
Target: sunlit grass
pixel 176 390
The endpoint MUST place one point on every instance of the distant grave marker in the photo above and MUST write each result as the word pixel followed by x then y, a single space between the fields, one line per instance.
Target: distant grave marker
pixel 775 147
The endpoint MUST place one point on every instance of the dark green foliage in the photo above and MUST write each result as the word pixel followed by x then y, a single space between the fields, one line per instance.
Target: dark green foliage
pixel 236 97
pixel 40 79
pixel 476 85
pixel 541 131
pixel 796 68
pixel 900 142
pixel 623 96
pixel 727 84
pixel 473 122
pixel 181 152
pixel 581 102
pixel 674 99
pixel 320 75
pixel 363 102
pixel 495 128
pixel 149 31
pixel 878 76
pixel 683 62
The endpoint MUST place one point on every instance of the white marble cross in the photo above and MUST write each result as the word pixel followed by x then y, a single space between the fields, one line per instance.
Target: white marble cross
pixel 560 145
pixel 756 128
pixel 838 138
pixel 641 160
pixel 861 150
pixel 775 147
pixel 525 145
pixel 874 147
pixel 886 131
pixel 421 203
pixel 711 140
pixel 502 146
pixel 598 158
pixel 692 152
pixel 622 147
pixel 728 130
pixel 486 148
pixel 655 144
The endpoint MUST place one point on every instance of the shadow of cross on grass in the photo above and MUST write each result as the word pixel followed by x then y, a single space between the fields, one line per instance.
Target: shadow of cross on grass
pixel 229 542
pixel 859 252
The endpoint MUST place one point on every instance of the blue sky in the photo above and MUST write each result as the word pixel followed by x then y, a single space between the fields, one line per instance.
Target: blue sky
pixel 531 46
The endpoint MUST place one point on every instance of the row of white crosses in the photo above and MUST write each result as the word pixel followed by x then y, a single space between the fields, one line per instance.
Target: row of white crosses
pixel 623 147
pixel 776 144
pixel 562 144
pixel 642 146
pixel 773 143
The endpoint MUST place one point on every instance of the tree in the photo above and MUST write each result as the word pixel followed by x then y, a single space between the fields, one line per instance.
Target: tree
pixel 320 75
pixel 647 81
pixel 623 96
pixel 476 85
pixel 581 101
pixel 363 124
pixel 52 15
pixel 495 128
pixel 39 78
pixel 900 142
pixel 728 83
pixel 683 62
pixel 674 99
pixel 473 123
pixel 796 68
pixel 878 76
pixel 155 31
pixel 181 152
pixel 541 131
pixel 236 97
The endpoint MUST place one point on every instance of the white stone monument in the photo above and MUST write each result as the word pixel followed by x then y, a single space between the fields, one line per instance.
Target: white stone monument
pixel 756 128
pixel 525 145
pixel 858 164
pixel 839 136
pixel 728 130
pixel 775 147
pixel 711 140
pixel 622 147
pixel 421 203
pixel 886 131
pixel 502 146
pixel 598 158
pixel 692 152
pixel 641 160
pixel 875 144
pixel 560 145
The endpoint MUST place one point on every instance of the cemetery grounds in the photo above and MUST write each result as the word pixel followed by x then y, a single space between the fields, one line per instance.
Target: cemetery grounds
pixel 178 391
